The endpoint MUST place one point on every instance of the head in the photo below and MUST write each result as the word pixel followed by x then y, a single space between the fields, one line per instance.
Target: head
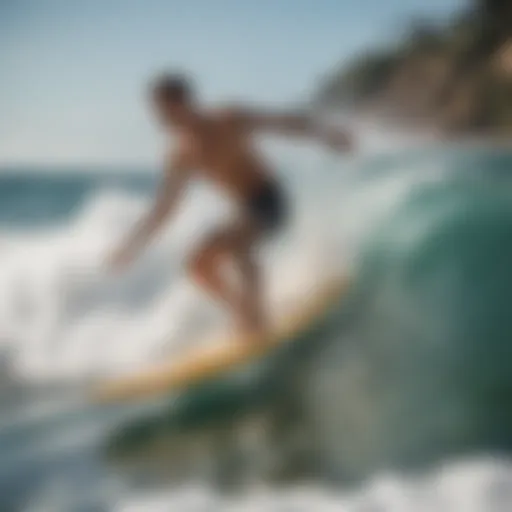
pixel 171 96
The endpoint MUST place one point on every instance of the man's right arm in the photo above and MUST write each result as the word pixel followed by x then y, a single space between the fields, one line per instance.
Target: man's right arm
pixel 295 124
pixel 176 175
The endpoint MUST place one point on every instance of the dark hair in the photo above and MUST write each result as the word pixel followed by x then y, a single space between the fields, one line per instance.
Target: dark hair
pixel 172 87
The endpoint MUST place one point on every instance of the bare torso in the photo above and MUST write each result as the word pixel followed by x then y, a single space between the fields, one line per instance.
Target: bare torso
pixel 220 150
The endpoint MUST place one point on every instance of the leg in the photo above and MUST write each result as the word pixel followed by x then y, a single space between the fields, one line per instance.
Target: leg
pixel 252 297
pixel 234 244
pixel 205 268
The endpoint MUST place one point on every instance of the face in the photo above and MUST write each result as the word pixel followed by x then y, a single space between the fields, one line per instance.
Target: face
pixel 169 113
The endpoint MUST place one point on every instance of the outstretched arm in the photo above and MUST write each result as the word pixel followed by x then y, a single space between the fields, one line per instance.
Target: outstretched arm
pixel 296 124
pixel 175 177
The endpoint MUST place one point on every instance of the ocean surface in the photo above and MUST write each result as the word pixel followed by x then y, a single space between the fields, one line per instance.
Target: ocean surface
pixel 399 401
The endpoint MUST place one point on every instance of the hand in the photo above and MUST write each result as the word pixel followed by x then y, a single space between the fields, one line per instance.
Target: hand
pixel 339 140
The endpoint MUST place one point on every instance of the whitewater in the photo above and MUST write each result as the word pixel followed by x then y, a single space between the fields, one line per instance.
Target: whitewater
pixel 404 401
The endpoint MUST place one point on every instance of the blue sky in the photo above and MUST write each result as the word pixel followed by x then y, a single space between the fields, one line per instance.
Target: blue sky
pixel 74 71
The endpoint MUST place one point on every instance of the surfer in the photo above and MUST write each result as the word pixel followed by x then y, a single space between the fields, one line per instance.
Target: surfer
pixel 216 145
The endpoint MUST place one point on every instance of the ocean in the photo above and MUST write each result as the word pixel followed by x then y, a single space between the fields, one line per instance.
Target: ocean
pixel 399 401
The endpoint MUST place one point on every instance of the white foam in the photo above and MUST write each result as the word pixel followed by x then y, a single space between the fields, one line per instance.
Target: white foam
pixel 469 486
pixel 63 316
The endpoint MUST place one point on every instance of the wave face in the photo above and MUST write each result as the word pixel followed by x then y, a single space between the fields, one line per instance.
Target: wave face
pixel 421 370
pixel 412 368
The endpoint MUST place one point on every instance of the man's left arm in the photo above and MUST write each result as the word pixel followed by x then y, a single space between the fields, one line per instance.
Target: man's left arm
pixel 176 175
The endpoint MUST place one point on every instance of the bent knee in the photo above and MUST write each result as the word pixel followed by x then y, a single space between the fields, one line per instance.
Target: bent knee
pixel 202 263
pixel 196 266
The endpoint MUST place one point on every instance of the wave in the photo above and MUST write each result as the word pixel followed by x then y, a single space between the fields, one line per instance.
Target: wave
pixel 423 369
pixel 410 369
pixel 413 367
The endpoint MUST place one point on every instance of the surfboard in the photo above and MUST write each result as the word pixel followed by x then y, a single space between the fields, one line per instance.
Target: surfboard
pixel 222 353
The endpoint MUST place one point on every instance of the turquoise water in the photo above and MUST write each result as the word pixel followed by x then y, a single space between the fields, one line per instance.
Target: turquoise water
pixel 410 370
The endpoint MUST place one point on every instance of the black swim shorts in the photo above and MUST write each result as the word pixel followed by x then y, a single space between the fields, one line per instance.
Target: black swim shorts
pixel 267 206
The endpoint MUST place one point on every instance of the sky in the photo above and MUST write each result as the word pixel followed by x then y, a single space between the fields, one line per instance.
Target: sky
pixel 74 72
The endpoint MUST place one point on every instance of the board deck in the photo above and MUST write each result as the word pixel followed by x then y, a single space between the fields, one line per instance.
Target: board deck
pixel 220 355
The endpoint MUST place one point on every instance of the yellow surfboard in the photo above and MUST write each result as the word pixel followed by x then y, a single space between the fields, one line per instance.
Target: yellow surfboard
pixel 221 355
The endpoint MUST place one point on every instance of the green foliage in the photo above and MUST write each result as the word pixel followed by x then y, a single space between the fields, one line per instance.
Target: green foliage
pixel 361 79
pixel 424 37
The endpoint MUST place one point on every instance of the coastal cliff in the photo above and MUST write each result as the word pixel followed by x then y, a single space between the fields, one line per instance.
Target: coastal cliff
pixel 455 78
